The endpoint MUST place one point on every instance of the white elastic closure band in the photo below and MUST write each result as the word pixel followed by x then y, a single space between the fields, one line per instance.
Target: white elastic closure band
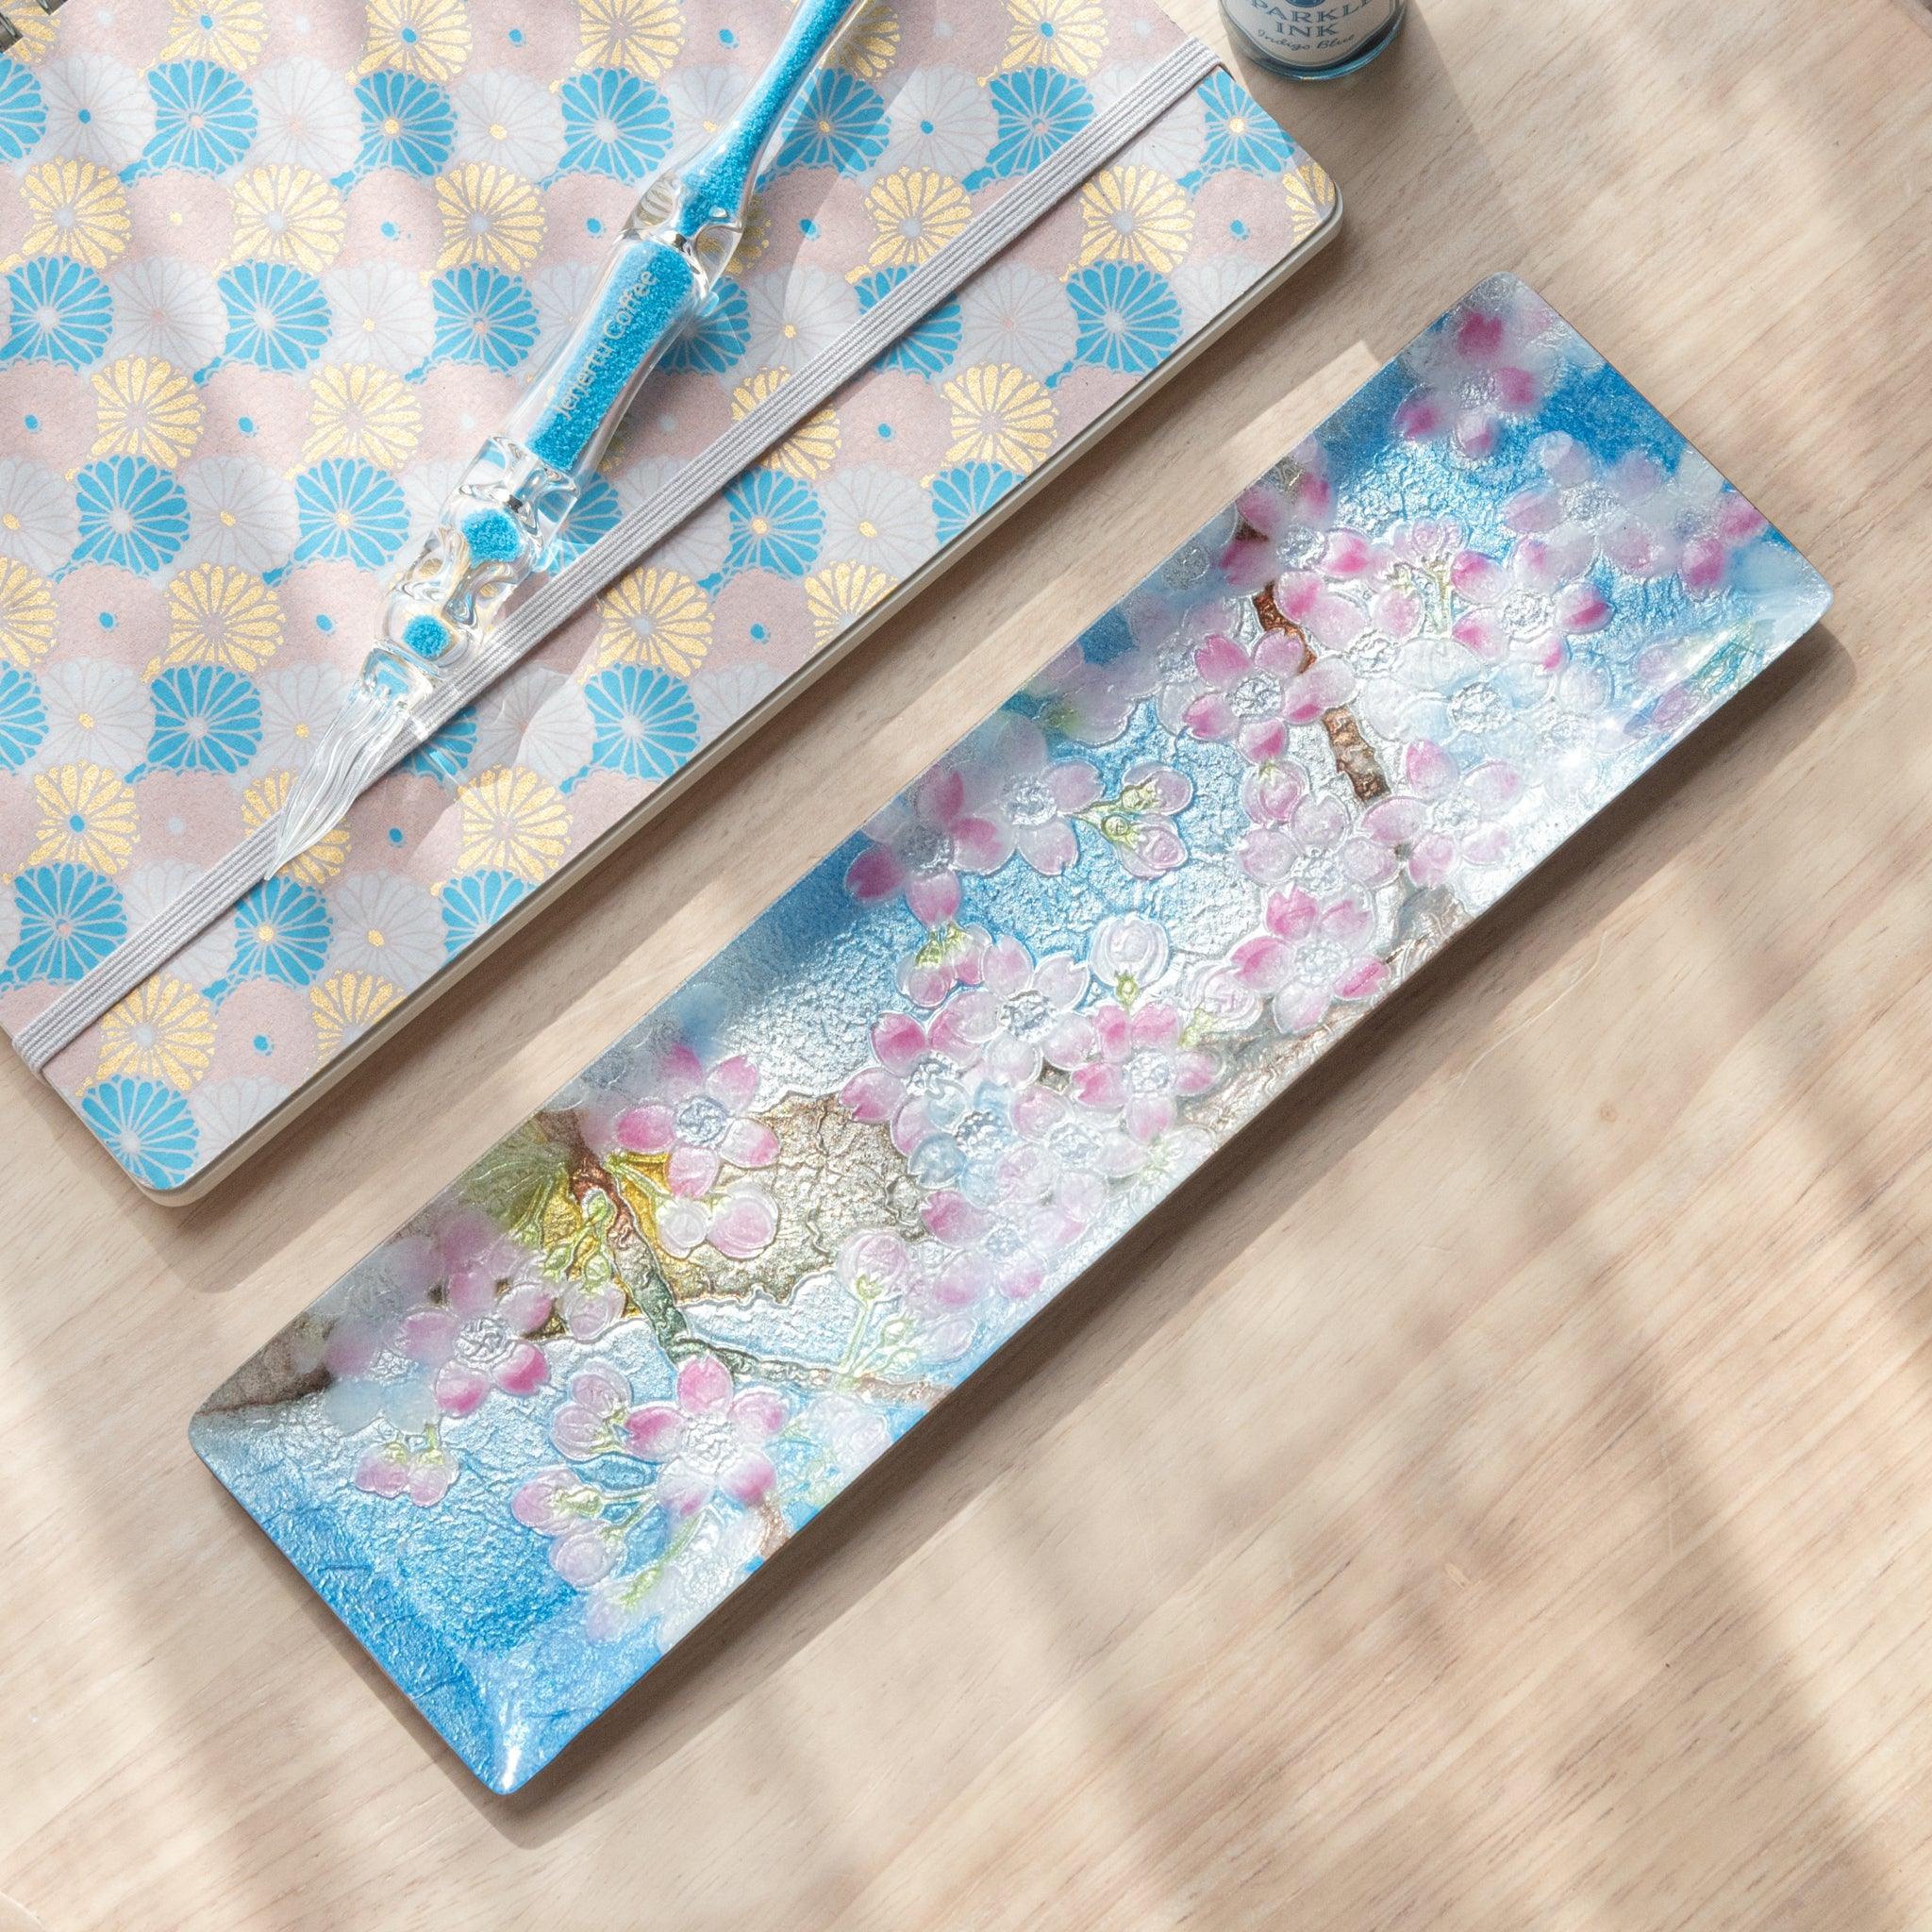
pixel 557 598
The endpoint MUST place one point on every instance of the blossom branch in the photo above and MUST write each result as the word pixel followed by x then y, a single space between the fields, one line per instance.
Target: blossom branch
pixel 1355 758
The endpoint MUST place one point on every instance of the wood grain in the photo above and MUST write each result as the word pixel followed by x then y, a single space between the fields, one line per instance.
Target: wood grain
pixel 1497 1495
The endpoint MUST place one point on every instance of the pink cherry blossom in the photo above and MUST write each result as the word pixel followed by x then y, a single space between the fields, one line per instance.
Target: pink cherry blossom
pixel 941 1303
pixel 1692 523
pixel 1256 691
pixel 1165 1161
pixel 1310 956
pixel 1060 1164
pixel 1270 796
pixel 1021 1018
pixel 714 1551
pixel 1648 523
pixel 915 1085
pixel 711 1438
pixel 701 1118
pixel 1139 823
pixel 1007 1250
pixel 1446 817
pixel 1576 736
pixel 1425 547
pixel 701 1122
pixel 1302 834
pixel 1169 627
pixel 1034 795
pixel 1129 953
pixel 1396 612
pixel 973 1144
pixel 874 1265
pixel 1060 1139
pixel 1488 362
pixel 1528 607
pixel 421 1471
pixel 1609 509
pixel 947 956
pixel 1142 1067
pixel 880 1266
pixel 371 1378
pixel 1407 662
pixel 1287 525
pixel 589 1554
pixel 556 1501
pixel 1073 1151
pixel 463 1250
pixel 590 1423
pixel 1091 703
pixel 478 1339
pixel 558 1504
pixel 949 823
pixel 848 1431
pixel 590 1310
pixel 1710 535
pixel 739 1221
pixel 1331 620
pixel 1221 1001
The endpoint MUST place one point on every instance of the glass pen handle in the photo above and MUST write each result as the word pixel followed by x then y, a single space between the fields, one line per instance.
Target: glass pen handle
pixel 504 515
pixel 498 525
pixel 501 521
pixel 719 181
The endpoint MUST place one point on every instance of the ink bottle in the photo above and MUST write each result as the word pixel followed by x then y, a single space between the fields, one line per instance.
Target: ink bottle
pixel 1314 39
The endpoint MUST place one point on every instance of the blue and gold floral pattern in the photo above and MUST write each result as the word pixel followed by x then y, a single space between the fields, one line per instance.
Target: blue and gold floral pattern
pixel 349 512
pixel 22 717
pixel 1126 317
pixel 67 918
pixel 614 123
pixel 1036 110
pixel 483 316
pixel 282 933
pixel 131 514
pixel 407 122
pixel 475 902
pixel 22 112
pixel 268 273
pixel 645 723
pixel 61 313
pixel 145 1125
pixel 204 119
pixel 278 317
pixel 206 719
pixel 839 122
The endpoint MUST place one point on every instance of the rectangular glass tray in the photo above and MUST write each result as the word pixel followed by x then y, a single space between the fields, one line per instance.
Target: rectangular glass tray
pixel 539 1433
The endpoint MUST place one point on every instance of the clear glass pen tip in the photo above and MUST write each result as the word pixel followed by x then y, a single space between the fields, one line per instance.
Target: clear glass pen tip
pixel 354 750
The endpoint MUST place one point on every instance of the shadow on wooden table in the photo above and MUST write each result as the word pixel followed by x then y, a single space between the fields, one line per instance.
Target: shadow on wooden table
pixel 868 1533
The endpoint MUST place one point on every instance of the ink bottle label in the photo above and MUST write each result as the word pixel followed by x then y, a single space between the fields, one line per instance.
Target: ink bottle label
pixel 1314 39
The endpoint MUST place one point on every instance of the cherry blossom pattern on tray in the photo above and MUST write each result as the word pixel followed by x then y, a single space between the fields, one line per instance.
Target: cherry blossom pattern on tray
pixel 646 1339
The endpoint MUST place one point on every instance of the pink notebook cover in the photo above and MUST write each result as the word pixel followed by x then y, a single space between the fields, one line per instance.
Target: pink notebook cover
pixel 267 275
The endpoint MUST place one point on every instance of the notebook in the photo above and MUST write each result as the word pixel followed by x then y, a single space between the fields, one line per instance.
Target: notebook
pixel 560 1416
pixel 269 275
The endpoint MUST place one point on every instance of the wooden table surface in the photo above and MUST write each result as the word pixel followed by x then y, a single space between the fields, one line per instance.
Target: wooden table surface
pixel 1497 1495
